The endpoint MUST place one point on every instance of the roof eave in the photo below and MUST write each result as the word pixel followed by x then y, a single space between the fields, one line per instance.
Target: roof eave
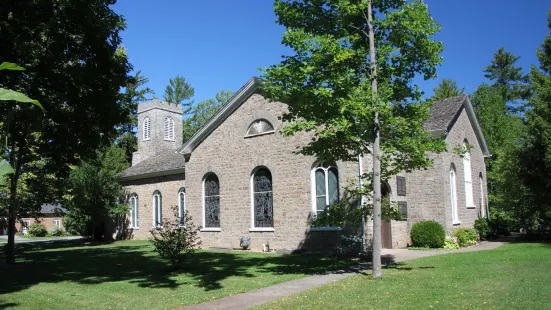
pixel 219 117
pixel 476 127
pixel 152 174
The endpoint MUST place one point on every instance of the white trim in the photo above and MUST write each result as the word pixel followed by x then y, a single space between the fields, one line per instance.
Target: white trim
pixel 482 200
pixel 181 208
pixel 159 209
pixel 146 129
pixel 468 177
pixel 260 134
pixel 261 229
pixel 453 196
pixel 326 228
pixel 169 129
pixel 134 217
pixel 314 194
pixel 210 229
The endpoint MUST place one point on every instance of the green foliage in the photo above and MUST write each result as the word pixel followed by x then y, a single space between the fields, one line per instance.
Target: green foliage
pixel 428 234
pixel 203 111
pixel 174 241
pixel 501 223
pixel 78 224
pixel 447 88
pixel 177 91
pixel 535 153
pixel 482 227
pixel 37 229
pixel 94 192
pixel 451 244
pixel 350 247
pixel 466 236
pixel 57 232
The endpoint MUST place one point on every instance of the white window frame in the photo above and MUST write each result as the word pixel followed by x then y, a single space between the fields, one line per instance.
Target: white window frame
pixel 204 207
pixel 133 211
pixel 25 226
pixel 146 130
pixel 482 203
pixel 157 195
pixel 453 197
pixel 181 208
pixel 57 223
pixel 169 129
pixel 253 228
pixel 313 184
pixel 469 199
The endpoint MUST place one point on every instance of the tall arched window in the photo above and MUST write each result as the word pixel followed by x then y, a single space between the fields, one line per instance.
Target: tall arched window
pixel 181 205
pixel 453 196
pixel 482 203
pixel 211 195
pixel 134 211
pixel 325 186
pixel 169 129
pixel 157 209
pixel 469 200
pixel 146 128
pixel 262 198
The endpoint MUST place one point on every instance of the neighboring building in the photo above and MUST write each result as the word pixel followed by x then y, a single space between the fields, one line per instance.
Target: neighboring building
pixel 51 216
pixel 239 176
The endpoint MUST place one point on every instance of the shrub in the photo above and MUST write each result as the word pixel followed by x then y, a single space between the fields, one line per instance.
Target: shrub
pixel 37 229
pixel 501 224
pixel 57 232
pixel 466 236
pixel 174 241
pixel 451 244
pixel 481 225
pixel 351 246
pixel 428 234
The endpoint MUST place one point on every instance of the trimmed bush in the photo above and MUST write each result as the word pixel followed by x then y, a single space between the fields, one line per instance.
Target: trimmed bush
pixel 428 234
pixel 57 232
pixel 37 229
pixel 482 226
pixel 466 236
pixel 451 244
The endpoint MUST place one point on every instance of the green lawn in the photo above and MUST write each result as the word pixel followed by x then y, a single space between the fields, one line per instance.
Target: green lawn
pixel 514 276
pixel 129 275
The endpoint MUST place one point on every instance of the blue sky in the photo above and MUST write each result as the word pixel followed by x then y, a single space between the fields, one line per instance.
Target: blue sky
pixel 220 44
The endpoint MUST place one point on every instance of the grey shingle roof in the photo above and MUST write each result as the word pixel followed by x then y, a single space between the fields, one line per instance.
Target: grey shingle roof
pixel 52 208
pixel 444 112
pixel 164 161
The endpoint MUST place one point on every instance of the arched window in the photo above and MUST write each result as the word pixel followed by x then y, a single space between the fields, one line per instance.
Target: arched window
pixel 469 200
pixel 211 195
pixel 157 209
pixel 482 204
pixel 260 126
pixel 262 198
pixel 146 128
pixel 134 211
pixel 181 205
pixel 169 129
pixel 453 196
pixel 325 186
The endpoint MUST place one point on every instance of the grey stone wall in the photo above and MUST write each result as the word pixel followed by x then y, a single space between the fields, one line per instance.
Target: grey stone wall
pixel 157 111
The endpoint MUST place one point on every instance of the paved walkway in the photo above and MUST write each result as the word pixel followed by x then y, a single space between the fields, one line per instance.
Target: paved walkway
pixel 267 294
pixel 4 239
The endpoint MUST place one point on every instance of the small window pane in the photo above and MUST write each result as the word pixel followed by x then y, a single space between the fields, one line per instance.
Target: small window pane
pixel 333 185
pixel 403 209
pixel 320 182
pixel 212 201
pixel 320 204
pixel 260 126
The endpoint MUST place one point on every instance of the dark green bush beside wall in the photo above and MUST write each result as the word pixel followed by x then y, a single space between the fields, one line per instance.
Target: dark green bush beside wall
pixel 429 234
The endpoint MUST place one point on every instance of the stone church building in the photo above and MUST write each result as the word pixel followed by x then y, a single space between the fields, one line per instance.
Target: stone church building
pixel 239 176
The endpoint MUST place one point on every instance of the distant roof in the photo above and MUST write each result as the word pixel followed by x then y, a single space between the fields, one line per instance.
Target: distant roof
pixel 52 208
pixel 164 163
pixel 444 112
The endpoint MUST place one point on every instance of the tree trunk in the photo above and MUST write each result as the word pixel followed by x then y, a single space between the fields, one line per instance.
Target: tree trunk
pixel 12 213
pixel 377 244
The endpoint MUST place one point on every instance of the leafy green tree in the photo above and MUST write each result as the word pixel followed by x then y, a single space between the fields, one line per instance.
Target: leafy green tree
pixel 179 90
pixel 512 83
pixel 94 193
pixel 75 67
pixel 203 111
pixel 535 158
pixel 447 88
pixel 350 82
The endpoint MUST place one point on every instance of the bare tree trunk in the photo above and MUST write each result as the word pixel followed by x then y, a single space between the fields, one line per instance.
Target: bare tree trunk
pixel 377 244
pixel 12 213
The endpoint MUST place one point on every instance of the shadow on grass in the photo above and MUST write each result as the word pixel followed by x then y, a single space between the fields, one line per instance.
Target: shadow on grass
pixel 95 263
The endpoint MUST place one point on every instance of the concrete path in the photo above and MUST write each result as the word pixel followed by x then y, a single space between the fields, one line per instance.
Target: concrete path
pixel 267 294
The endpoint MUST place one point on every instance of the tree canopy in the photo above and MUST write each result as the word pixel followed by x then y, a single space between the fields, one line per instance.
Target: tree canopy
pixel 179 91
pixel 203 111
pixel 447 88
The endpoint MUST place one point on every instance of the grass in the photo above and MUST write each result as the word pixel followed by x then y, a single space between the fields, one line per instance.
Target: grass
pixel 130 275
pixel 514 276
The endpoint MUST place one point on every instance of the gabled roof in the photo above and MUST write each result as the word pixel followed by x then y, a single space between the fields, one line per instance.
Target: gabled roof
pixel 164 163
pixel 52 209
pixel 226 110
pixel 444 114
